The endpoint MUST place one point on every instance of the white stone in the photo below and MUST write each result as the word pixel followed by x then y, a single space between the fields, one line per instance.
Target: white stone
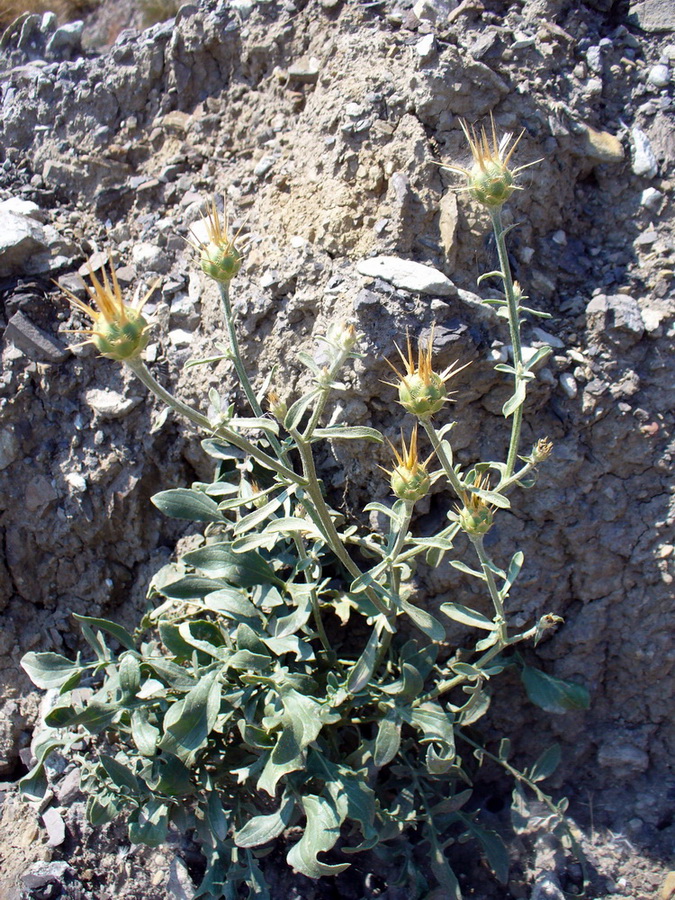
pixel 406 274
pixel 109 404
pixel 659 76
pixel 425 46
pixel 76 482
pixel 150 258
pixel 569 385
pixel 21 237
pixel 22 208
pixel 644 161
pixel 180 338
pixel 651 198
pixel 548 338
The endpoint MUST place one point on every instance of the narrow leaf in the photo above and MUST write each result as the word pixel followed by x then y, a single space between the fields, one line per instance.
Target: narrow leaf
pixel 240 569
pixel 260 830
pixel 516 401
pixel 350 432
pixel 467 616
pixel 388 740
pixel 553 694
pixel 424 621
pixel 183 503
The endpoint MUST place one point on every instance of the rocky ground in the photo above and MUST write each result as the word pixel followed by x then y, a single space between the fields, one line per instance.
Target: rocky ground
pixel 321 124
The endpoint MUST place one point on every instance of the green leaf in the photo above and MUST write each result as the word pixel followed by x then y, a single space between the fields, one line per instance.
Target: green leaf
pixel 298 409
pixel 493 497
pixel 49 670
pixel 170 776
pixel 143 733
pixel 514 570
pixel 267 425
pixel 260 830
pixel 149 824
pixel 539 356
pixel 232 603
pixel 515 401
pixel 95 717
pixel 217 816
pixel 350 432
pixel 264 512
pixel 462 567
pixel 189 721
pixel 547 763
pixel 191 587
pixel 388 740
pixel 183 503
pixel 362 670
pixel 121 777
pixel 33 784
pixel 239 569
pixel 425 621
pixel 120 634
pixel 350 792
pixel 493 847
pixel 321 833
pixel 553 694
pixel 466 616
pixel 130 674
pixel 436 724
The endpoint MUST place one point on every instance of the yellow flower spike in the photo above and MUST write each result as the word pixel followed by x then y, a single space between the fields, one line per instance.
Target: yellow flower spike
pixel 218 256
pixel 542 450
pixel 277 406
pixel 421 390
pixel 120 331
pixel 476 516
pixel 409 478
pixel 490 180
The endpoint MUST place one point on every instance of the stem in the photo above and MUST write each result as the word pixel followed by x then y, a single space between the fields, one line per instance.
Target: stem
pixel 437 444
pixel 514 328
pixel 325 522
pixel 242 375
pixel 477 541
pixel 140 370
pixel 338 363
pixel 316 607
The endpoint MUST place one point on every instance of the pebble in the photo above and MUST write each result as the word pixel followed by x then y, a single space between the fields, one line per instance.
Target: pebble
pixel 655 16
pixel 66 38
pixel 264 165
pixel 425 46
pixel 659 75
pixel 150 258
pixel 56 829
pixel 41 874
pixel 594 59
pixel 21 237
pixel 407 275
pixel 644 160
pixel 569 385
pixel 180 338
pixel 305 70
pixel 109 404
pixel 617 755
pixel 69 788
pixel 651 199
pixel 602 146
pixel 668 887
pixel 33 342
pixel 551 339
pixel 9 447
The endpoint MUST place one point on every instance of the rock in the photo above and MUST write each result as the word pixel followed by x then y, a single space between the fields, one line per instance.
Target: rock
pixel 602 146
pixel 651 199
pixel 668 887
pixel 305 70
pixel 56 829
pixel 41 874
pixel 659 76
pixel 66 39
pixel 425 47
pixel 243 7
pixel 9 447
pixel 655 16
pixel 150 258
pixel 179 885
pixel 21 207
pixel 183 312
pixel 618 316
pixel 551 339
pixel 180 338
pixel 177 121
pixel 69 788
pixel 644 161
pixel 447 225
pixel 33 341
pixel 547 887
pixel 21 237
pixel 40 492
pixel 569 385
pixel 615 754
pixel 264 165
pixel 76 482
pixel 61 174
pixel 433 10
pixel 408 275
pixel 109 404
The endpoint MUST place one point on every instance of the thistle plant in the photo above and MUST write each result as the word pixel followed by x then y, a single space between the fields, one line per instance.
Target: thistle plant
pixel 243 704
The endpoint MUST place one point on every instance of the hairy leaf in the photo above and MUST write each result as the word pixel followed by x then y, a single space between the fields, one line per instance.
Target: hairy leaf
pixel 183 503
pixel 260 830
pixel 553 694
pixel 321 833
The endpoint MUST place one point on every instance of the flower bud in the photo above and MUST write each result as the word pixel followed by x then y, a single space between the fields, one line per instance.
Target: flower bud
pixel 542 450
pixel 476 520
pixel 219 258
pixel 121 340
pixel 277 406
pixel 409 478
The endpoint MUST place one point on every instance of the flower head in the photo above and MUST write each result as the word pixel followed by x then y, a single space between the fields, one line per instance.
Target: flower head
pixel 490 180
pixel 476 515
pixel 120 331
pixel 218 256
pixel 421 390
pixel 409 478
pixel 542 450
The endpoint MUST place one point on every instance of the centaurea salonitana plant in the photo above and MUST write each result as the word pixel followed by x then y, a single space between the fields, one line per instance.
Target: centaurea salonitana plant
pixel 287 675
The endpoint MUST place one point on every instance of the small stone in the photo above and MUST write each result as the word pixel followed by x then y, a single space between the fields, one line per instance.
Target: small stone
pixel 21 237
pixel 547 887
pixel 243 7
pixel 67 38
pixel 569 385
pixel 651 199
pixel 33 341
pixel 659 76
pixel 180 338
pixel 644 160
pixel 179 885
pixel 41 874
pixel 56 829
pixel 668 887
pixel 425 46
pixel 560 238
pixel 22 208
pixel 178 121
pixel 407 275
pixel 184 312
pixel 602 146
pixel 264 165
pixel 109 404
pixel 617 755
pixel 96 261
pixel 40 492
pixel 150 258
pixel 546 338
pixel 9 447
pixel 647 238
pixel 594 59
pixel 305 70
pixel 77 482
pixel 69 788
